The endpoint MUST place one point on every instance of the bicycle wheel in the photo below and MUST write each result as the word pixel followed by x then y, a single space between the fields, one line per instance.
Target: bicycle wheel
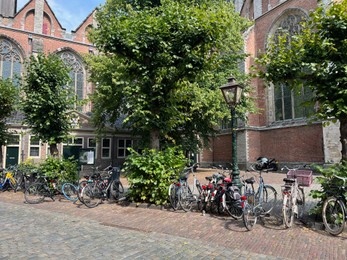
pixel 117 190
pixel 173 196
pixel 333 215
pixel 80 187
pixel 203 200
pixel 35 193
pixel 234 207
pixel 185 198
pixel 300 202
pixel 269 198
pixel 249 217
pixel 287 210
pixel 70 191
pixel 91 195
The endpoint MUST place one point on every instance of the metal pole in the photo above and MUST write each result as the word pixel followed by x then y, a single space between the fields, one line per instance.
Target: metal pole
pixel 236 172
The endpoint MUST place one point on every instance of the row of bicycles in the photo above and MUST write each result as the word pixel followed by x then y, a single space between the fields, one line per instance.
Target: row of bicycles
pixel 91 191
pixel 219 195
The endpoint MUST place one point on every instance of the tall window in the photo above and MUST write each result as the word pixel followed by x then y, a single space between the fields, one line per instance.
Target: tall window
pixel 92 144
pixel 34 147
pixel 10 60
pixel 76 74
pixel 289 104
pixel 106 148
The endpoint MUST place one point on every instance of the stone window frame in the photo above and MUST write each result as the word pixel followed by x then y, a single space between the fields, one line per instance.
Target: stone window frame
pixel 73 60
pixel 15 53
pixel 286 18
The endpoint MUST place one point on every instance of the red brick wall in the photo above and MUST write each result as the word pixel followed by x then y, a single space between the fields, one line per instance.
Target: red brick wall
pixel 293 144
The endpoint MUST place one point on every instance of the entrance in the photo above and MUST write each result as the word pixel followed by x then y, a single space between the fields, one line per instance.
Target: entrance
pixel 12 156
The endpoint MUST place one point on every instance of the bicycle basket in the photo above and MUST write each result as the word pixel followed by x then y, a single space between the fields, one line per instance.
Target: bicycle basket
pixel 304 177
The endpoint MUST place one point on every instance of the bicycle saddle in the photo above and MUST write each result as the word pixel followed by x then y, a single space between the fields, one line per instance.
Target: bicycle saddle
pixel 288 180
pixel 209 178
pixel 250 180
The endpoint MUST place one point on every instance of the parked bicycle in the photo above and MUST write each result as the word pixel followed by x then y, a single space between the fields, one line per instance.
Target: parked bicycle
pixel 43 188
pixel 99 188
pixel 209 192
pixel 7 180
pixel 256 203
pixel 226 198
pixel 293 193
pixel 180 194
pixel 334 207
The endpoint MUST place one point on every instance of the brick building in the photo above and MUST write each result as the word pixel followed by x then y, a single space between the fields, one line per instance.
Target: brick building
pixel 35 28
pixel 281 130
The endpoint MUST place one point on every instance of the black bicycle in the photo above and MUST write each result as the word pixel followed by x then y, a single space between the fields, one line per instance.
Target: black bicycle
pixel 334 208
pixel 44 187
pixel 99 188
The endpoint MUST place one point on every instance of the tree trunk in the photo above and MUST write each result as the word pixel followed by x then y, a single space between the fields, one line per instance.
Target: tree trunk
pixel 343 132
pixel 53 149
pixel 154 139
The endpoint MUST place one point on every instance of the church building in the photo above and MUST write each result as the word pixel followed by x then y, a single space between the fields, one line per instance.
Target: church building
pixel 281 129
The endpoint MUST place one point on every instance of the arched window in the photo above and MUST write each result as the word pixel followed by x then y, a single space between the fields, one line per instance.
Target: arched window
pixel 289 104
pixel 76 74
pixel 10 60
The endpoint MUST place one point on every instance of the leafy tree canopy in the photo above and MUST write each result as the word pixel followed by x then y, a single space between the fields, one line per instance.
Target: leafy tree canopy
pixel 317 57
pixel 161 65
pixel 47 99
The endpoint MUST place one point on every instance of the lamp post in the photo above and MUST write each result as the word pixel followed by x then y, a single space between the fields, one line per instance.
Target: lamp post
pixel 232 94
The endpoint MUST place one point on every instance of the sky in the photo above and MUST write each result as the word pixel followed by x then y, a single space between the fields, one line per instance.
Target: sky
pixel 70 13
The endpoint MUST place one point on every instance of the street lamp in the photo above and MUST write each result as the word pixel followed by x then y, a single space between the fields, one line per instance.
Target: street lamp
pixel 232 94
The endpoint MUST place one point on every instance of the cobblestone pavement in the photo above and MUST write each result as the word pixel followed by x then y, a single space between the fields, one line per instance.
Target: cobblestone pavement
pixel 56 229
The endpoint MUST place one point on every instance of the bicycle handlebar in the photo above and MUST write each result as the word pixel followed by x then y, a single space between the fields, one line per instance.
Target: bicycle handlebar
pixel 285 167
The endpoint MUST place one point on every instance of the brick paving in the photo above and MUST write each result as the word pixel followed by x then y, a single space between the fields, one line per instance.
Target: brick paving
pixel 268 239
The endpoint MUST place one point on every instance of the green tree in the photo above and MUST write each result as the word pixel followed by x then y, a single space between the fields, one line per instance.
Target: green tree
pixel 161 65
pixel 317 58
pixel 8 97
pixel 47 99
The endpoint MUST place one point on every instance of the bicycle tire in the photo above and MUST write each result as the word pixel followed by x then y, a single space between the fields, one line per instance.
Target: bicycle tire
pixel 80 187
pixel 300 202
pixel 185 198
pixel 70 191
pixel 234 207
pixel 91 195
pixel 249 217
pixel 203 201
pixel 35 193
pixel 116 189
pixel 287 211
pixel 333 214
pixel 173 196
pixel 269 198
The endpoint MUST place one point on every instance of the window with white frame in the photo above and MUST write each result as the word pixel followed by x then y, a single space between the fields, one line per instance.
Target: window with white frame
pixel 34 146
pixel 74 141
pixel 92 144
pixel 106 148
pixel 122 149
